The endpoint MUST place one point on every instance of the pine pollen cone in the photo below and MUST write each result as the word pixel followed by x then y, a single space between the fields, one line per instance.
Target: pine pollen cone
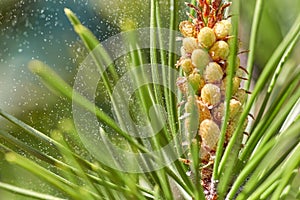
pixel 204 63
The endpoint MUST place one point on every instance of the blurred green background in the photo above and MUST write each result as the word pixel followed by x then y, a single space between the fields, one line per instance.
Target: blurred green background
pixel 38 29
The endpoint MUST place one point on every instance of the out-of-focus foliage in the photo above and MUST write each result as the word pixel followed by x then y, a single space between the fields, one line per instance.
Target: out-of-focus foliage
pixel 277 17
